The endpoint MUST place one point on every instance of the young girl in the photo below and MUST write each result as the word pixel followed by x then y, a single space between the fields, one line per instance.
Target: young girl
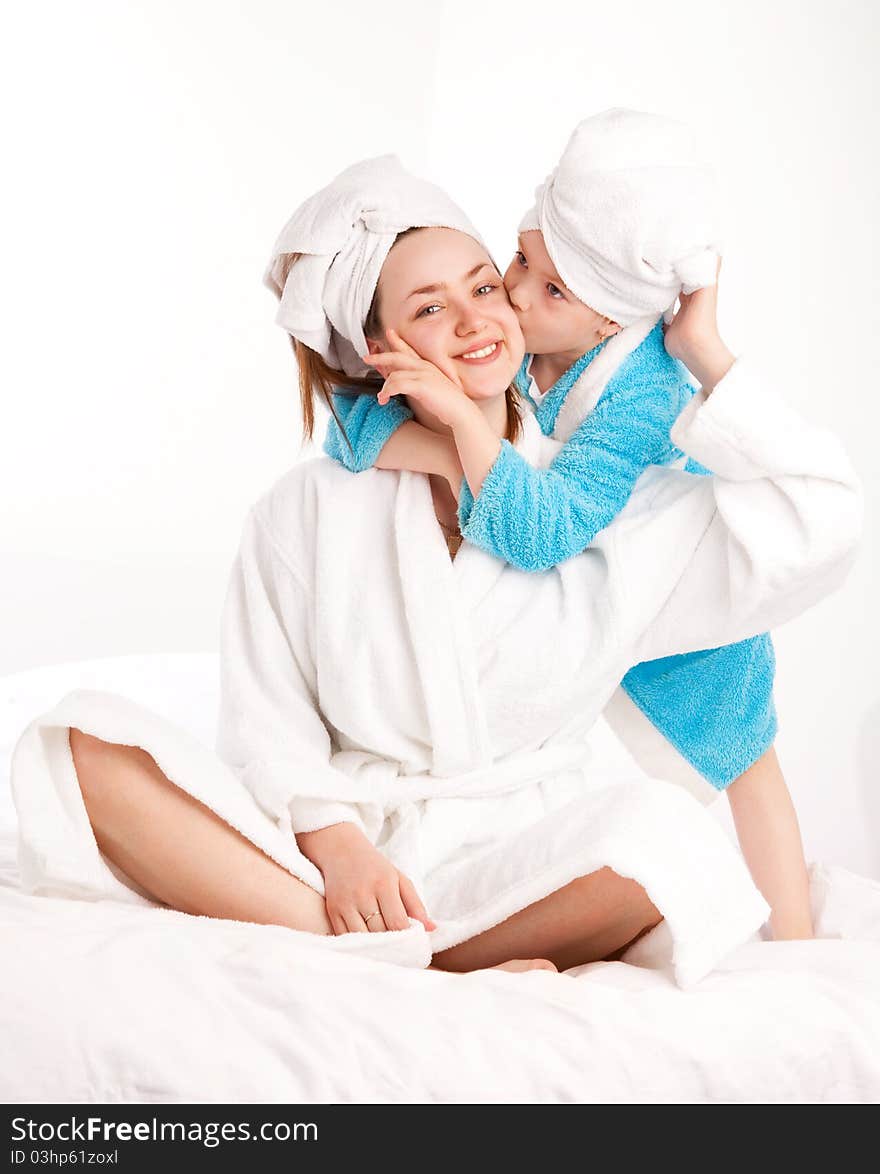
pixel 590 287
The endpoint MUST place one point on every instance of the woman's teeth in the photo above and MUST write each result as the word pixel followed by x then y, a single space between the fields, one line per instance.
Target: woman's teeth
pixel 483 353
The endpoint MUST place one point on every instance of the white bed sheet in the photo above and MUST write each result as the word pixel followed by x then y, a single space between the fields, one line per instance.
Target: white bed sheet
pixel 105 1003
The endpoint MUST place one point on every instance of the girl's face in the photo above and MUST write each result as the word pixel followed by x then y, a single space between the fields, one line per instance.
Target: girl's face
pixel 553 320
pixel 440 291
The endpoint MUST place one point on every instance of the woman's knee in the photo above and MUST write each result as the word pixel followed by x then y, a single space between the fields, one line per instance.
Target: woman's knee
pixel 621 897
pixel 88 754
pixel 95 761
pixel 643 909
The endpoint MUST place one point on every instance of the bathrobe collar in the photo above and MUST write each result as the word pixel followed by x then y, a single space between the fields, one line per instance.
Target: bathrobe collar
pixel 576 392
pixel 546 405
pixel 440 597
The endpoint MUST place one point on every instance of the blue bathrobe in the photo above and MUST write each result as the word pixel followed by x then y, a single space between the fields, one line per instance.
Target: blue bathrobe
pixel 716 706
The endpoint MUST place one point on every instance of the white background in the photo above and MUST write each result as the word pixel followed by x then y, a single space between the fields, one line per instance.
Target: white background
pixel 155 149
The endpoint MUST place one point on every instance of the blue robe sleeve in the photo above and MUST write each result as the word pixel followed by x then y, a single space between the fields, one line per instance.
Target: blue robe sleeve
pixel 536 518
pixel 368 427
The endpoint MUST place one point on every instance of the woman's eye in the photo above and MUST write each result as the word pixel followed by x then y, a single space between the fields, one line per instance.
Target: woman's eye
pixel 554 291
pixel 521 259
pixel 427 311
pixel 484 289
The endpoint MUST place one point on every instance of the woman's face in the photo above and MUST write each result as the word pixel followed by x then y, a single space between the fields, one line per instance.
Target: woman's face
pixel 440 291
pixel 553 320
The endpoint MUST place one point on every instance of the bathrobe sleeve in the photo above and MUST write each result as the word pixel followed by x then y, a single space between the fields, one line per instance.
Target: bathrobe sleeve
pixel 270 729
pixel 537 518
pixel 728 556
pixel 368 426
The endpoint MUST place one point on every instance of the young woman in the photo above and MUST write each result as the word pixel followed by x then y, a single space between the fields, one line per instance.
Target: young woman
pixel 412 718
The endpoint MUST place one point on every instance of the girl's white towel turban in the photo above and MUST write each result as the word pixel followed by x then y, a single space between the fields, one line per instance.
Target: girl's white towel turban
pixel 345 232
pixel 628 215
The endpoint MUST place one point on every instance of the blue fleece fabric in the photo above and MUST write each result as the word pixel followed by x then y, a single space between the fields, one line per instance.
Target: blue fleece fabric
pixel 536 518
pixel 716 706
pixel 368 426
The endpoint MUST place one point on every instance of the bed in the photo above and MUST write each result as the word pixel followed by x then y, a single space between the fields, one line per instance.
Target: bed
pixel 102 1002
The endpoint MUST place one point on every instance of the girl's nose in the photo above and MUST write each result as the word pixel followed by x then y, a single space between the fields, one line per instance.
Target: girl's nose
pixel 517 294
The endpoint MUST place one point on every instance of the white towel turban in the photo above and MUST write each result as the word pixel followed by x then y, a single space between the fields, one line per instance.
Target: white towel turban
pixel 628 215
pixel 345 232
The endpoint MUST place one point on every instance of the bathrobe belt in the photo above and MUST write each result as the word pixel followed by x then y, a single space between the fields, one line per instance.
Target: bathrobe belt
pixel 376 780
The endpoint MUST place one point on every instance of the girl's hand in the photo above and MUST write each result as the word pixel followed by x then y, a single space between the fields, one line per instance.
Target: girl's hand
pixel 693 337
pixel 454 474
pixel 695 324
pixel 363 891
pixel 406 373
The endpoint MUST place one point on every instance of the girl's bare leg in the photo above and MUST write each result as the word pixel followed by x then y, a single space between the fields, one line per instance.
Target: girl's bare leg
pixel 178 851
pixel 769 835
pixel 593 918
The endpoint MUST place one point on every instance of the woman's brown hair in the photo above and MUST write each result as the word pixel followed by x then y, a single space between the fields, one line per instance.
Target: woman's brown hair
pixel 317 377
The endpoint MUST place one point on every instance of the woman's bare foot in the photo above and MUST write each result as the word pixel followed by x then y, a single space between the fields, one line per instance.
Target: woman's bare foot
pixel 515 966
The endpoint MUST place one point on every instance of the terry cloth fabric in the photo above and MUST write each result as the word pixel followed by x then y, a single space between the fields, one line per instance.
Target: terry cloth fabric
pixel 456 735
pixel 368 426
pixel 537 518
pixel 345 231
pixel 714 707
pixel 528 388
pixel 628 215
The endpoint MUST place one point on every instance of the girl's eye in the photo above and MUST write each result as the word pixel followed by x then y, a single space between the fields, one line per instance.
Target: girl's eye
pixel 484 289
pixel 554 291
pixel 521 258
pixel 428 311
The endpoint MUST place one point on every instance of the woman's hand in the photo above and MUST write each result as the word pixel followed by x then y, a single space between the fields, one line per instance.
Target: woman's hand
pixel 364 892
pixel 693 336
pixel 406 373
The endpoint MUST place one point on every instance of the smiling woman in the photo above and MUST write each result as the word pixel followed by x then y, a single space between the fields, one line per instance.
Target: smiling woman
pixel 455 342
pixel 462 324
pixel 403 740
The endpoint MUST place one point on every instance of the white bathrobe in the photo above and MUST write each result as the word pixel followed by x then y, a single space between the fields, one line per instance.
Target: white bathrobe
pixel 446 707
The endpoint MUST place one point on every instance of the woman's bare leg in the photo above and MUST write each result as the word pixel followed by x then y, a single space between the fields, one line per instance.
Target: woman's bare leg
pixel 593 918
pixel 178 850
pixel 184 856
